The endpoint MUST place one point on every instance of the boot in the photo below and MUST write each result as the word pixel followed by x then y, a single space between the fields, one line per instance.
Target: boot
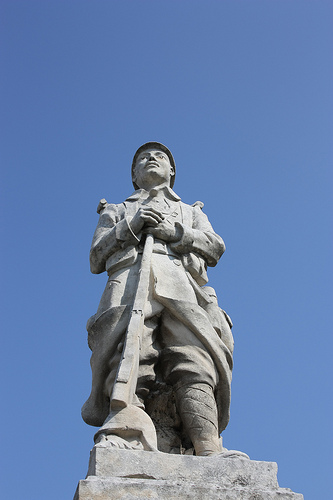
pixel 198 411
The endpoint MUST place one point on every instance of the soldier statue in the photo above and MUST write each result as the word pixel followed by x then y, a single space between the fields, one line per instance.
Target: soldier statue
pixel 158 331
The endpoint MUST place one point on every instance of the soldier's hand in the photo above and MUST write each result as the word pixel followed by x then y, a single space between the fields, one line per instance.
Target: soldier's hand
pixel 165 231
pixel 145 217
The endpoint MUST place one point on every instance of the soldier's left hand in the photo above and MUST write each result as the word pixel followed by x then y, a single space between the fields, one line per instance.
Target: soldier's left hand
pixel 165 231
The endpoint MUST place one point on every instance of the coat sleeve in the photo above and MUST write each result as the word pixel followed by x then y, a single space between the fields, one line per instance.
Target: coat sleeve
pixel 112 233
pixel 200 238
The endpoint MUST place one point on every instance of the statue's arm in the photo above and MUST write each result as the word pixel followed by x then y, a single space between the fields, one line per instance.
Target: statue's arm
pixel 200 238
pixel 112 233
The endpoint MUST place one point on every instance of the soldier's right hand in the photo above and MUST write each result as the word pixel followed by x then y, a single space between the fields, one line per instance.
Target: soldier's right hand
pixel 145 217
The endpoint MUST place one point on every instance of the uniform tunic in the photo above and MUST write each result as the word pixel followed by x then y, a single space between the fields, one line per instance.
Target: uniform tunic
pixel 179 343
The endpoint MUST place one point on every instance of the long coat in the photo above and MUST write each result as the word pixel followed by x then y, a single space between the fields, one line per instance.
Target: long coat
pixel 178 272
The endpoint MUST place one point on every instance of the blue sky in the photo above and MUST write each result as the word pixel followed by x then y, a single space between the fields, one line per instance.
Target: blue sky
pixel 241 92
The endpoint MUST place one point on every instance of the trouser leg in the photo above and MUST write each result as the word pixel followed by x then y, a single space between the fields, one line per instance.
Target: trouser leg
pixel 190 369
pixel 197 408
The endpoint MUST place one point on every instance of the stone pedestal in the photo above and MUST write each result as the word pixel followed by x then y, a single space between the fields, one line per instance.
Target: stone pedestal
pixel 128 474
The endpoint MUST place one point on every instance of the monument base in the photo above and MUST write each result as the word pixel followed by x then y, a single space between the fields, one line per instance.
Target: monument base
pixel 132 474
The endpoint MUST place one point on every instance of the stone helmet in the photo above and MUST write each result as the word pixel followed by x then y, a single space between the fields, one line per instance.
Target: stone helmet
pixel 155 145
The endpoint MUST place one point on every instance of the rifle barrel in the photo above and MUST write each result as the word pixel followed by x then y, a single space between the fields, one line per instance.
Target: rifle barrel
pixel 127 375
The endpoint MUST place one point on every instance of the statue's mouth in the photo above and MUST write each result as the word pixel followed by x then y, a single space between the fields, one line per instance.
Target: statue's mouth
pixel 152 164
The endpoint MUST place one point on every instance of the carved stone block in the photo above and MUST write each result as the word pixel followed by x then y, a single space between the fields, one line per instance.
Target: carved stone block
pixel 126 474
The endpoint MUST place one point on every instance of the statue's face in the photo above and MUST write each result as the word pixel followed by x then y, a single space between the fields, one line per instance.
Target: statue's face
pixel 152 168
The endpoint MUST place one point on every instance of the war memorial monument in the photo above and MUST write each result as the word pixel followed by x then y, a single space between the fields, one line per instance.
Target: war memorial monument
pixel 162 353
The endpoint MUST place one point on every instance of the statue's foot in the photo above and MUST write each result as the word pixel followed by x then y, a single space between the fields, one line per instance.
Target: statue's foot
pixel 225 453
pixel 128 428
pixel 114 441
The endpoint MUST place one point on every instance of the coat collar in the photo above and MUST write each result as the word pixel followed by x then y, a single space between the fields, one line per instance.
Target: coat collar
pixel 143 194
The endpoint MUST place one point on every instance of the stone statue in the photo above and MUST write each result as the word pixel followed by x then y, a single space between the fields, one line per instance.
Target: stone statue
pixel 161 346
pixel 162 353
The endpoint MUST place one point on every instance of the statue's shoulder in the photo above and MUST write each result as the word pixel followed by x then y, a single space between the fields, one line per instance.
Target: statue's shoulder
pixel 198 204
pixel 101 205
pixel 192 212
pixel 105 207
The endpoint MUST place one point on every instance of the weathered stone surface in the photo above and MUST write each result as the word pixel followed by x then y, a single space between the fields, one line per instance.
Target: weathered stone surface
pixel 129 474
pixel 161 345
pixel 132 489
pixel 108 462
pixel 162 353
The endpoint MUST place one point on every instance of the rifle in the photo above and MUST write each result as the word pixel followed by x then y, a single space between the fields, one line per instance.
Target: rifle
pixel 127 376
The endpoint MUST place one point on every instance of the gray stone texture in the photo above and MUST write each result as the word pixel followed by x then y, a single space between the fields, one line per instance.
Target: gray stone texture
pixel 132 474
pixel 161 345
pixel 162 353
